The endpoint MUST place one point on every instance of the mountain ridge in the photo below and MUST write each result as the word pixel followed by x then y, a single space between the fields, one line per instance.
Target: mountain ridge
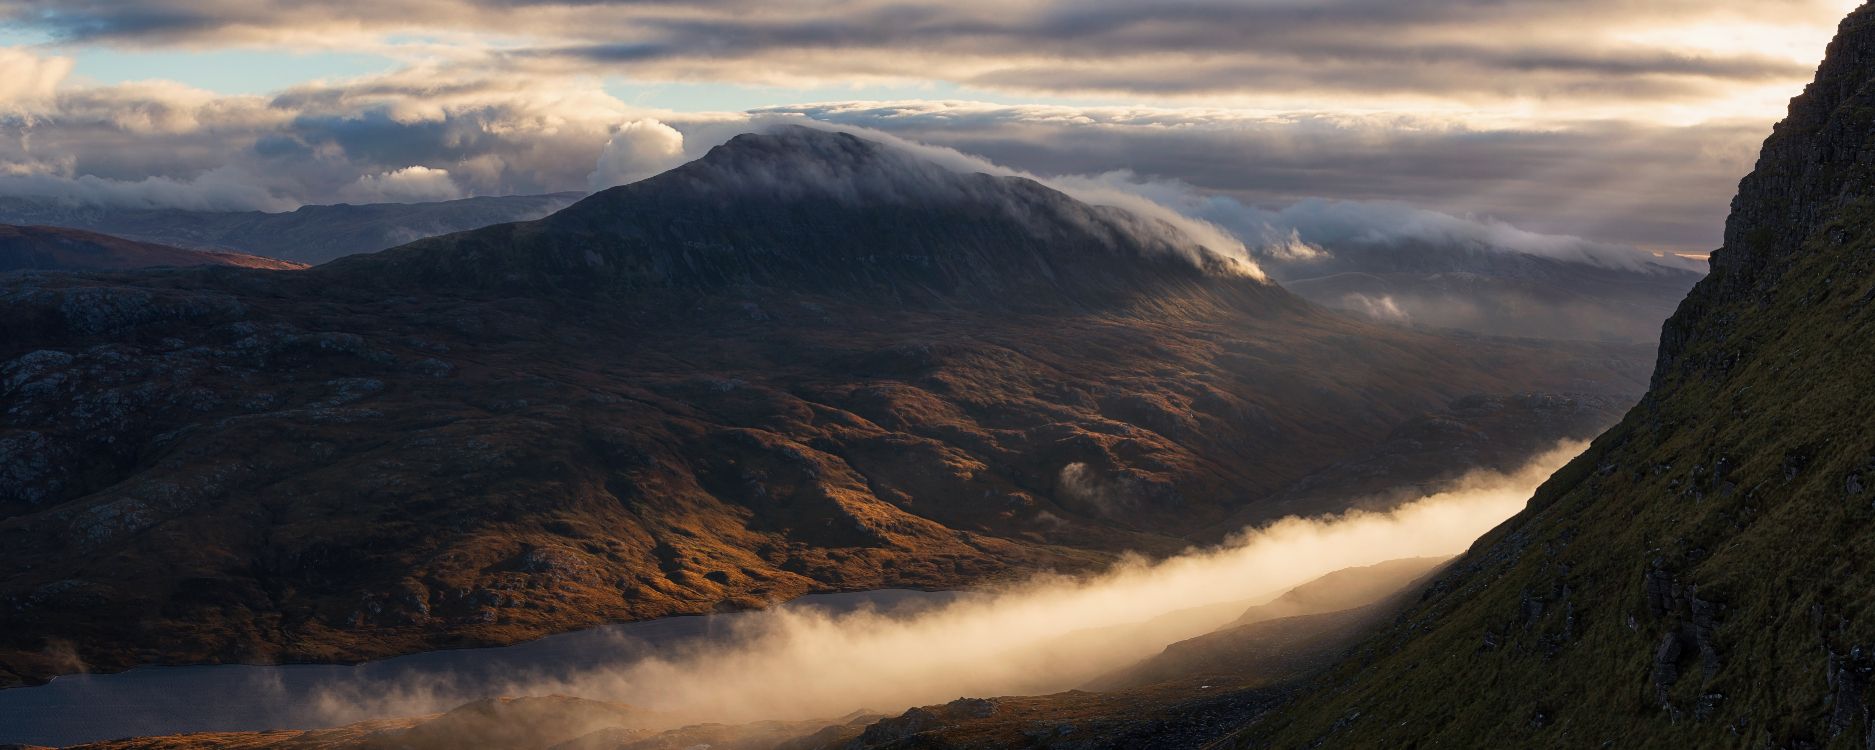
pixel 40 248
pixel 1699 576
pixel 309 234
pixel 359 459
pixel 807 210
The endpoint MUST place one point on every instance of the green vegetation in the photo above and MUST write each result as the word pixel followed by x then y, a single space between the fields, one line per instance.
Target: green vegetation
pixel 1703 575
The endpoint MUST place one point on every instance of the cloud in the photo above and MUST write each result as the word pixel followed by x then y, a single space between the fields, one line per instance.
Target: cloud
pixel 1643 184
pixel 1094 191
pixel 639 149
pixel 30 79
pixel 1473 50
pixel 162 143
pixel 1381 307
pixel 414 184
pixel 1039 636
pixel 1322 235
pixel 1602 119
pixel 156 143
pixel 1344 223
pixel 225 189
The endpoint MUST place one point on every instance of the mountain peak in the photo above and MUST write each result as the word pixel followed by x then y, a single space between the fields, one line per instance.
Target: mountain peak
pixel 795 209
pixel 794 162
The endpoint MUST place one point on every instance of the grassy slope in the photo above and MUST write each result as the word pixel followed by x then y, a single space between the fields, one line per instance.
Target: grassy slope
pixel 1701 577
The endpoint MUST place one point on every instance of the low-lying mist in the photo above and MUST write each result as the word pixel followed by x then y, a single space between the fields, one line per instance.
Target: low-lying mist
pixel 1046 634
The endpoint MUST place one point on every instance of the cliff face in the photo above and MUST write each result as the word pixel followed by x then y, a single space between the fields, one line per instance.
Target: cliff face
pixel 1700 577
pixel 1815 166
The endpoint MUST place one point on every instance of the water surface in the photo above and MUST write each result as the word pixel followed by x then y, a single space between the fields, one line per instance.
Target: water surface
pixel 170 700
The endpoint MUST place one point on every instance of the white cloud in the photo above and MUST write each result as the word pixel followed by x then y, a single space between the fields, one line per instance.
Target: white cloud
pixel 413 184
pixel 224 189
pixel 29 80
pixel 637 150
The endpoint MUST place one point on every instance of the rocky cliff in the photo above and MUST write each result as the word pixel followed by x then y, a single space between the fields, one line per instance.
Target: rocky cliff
pixel 1700 577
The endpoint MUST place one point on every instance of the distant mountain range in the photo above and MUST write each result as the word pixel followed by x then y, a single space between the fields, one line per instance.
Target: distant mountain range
pixel 58 249
pixel 1457 284
pixel 311 234
pixel 806 362
pixel 1493 291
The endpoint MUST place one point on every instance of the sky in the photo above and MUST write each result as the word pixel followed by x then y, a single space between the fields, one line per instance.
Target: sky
pixel 1620 121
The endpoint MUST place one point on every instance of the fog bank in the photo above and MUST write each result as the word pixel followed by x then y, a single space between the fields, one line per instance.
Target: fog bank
pixel 803 663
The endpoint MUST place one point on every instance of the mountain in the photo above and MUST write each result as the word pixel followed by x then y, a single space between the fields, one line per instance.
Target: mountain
pixel 310 234
pixel 1469 284
pixel 55 249
pixel 884 226
pixel 1700 577
pixel 806 362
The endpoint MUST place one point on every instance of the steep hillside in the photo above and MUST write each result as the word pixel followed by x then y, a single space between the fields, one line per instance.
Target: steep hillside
pixel 55 249
pixel 310 234
pixel 1299 627
pixel 1701 576
pixel 707 392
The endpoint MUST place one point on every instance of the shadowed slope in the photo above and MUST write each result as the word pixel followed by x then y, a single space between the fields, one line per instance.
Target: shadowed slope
pixel 309 234
pixel 55 249
pixel 808 211
pixel 1700 577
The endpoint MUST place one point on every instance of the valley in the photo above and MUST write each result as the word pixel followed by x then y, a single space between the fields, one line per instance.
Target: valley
pixel 790 435
pixel 615 414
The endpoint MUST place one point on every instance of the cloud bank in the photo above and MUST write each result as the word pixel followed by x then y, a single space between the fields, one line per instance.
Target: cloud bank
pixel 1641 184
pixel 406 136
pixel 1043 635
pixel 411 136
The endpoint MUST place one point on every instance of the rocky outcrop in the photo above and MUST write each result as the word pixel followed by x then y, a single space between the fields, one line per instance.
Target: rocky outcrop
pixel 920 720
pixel 1814 165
